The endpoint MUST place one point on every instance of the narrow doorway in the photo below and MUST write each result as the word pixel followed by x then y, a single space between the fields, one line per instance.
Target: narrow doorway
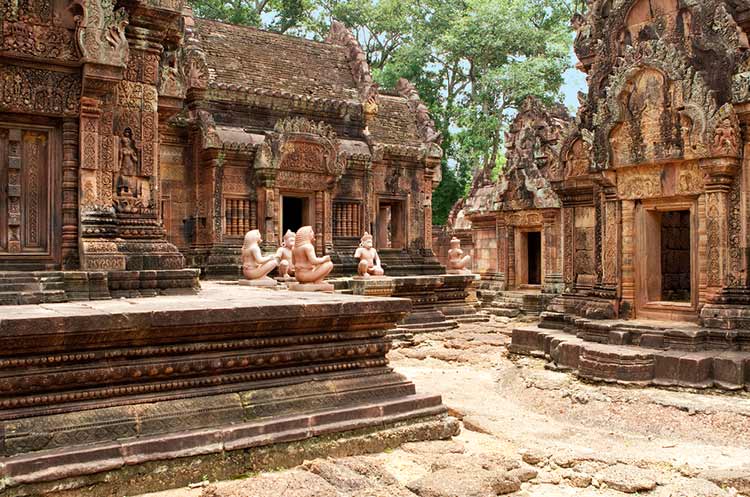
pixel 534 257
pixel 675 256
pixel 391 224
pixel 294 212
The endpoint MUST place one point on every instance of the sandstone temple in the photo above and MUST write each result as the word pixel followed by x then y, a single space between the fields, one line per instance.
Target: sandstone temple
pixel 629 224
pixel 174 191
pixel 140 139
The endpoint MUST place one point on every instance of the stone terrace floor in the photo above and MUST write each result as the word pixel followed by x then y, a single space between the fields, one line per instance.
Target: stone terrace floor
pixel 213 296
pixel 530 431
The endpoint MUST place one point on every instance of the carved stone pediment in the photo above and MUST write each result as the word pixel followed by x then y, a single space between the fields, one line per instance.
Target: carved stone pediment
pixel 654 65
pixel 298 145
pixel 533 157
pixel 658 108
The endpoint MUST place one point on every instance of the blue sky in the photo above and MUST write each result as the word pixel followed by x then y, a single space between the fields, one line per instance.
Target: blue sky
pixel 575 81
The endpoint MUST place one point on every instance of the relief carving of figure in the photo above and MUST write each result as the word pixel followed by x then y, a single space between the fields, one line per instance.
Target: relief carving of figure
pixel 127 182
pixel 254 265
pixel 724 138
pixel 309 268
pixel 369 261
pixel 457 261
pixel 284 255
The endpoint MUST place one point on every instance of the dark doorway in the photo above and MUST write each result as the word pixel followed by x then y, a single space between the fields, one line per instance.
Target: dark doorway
pixel 534 257
pixel 675 256
pixel 293 212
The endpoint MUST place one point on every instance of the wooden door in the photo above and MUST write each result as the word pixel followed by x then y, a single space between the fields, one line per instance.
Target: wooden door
pixel 27 181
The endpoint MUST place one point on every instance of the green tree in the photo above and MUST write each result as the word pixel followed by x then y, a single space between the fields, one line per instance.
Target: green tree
pixel 473 62
pixel 275 15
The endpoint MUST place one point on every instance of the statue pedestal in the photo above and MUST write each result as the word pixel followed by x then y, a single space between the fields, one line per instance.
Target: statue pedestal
pixel 310 287
pixel 264 282
pixel 459 271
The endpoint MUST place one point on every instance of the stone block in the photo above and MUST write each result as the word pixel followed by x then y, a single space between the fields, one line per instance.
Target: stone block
pixel 126 383
pixel 729 370
pixel 695 370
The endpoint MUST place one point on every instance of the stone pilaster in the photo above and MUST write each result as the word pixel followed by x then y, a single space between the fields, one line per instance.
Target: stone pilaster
pixel 718 184
pixel 70 195
pixel 627 287
pixel 610 238
pixel 553 278
pixel 502 251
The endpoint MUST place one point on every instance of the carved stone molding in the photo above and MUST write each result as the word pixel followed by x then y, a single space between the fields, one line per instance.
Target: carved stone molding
pixel 38 91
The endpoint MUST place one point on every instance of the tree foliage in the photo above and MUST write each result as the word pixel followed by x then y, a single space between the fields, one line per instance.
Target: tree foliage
pixel 473 62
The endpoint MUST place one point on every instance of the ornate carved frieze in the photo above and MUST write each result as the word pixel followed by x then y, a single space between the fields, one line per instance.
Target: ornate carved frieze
pixel 39 41
pixel 38 91
pixel 638 183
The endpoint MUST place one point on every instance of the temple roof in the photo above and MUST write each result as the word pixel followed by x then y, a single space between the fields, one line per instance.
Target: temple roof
pixel 395 123
pixel 246 56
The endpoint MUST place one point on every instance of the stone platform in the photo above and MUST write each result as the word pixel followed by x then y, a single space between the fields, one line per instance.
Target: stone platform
pixel 90 392
pixel 640 352
pixel 438 302
pixel 43 287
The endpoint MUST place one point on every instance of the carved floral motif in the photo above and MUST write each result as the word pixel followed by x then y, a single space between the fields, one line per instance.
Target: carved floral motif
pixel 43 41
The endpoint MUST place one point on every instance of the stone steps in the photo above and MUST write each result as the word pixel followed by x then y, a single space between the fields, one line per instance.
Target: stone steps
pixel 22 288
pixel 631 364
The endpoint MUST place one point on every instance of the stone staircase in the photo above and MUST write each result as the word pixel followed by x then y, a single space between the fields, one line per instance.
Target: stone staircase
pixel 22 287
pixel 512 304
pixel 640 352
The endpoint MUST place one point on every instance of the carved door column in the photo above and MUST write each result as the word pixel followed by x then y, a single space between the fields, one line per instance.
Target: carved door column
pixel 427 213
pixel 502 250
pixel 551 232
pixel 326 220
pixel 627 287
pixel 610 238
pixel 568 243
pixel 70 195
pixel 268 210
pixel 510 258
pixel 719 179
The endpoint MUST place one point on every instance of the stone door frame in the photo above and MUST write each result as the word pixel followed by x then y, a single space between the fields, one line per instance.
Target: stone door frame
pixel 52 258
pixel 646 267
pixel 520 260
